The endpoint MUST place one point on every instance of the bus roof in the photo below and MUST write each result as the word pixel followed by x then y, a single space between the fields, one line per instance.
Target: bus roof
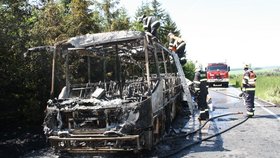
pixel 104 38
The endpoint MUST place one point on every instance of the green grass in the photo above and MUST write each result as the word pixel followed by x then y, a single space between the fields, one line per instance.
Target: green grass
pixel 268 88
pixel 267 85
pixel 235 80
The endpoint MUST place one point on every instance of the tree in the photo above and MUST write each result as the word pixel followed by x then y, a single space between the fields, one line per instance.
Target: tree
pixel 167 27
pixel 189 68
pixel 112 17
pixel 121 21
pixel 48 25
pixel 80 20
pixel 157 11
pixel 66 5
pixel 144 9
pixel 14 26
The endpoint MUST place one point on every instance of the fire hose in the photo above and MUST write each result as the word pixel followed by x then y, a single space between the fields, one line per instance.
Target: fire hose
pixel 204 139
pixel 209 137
pixel 197 130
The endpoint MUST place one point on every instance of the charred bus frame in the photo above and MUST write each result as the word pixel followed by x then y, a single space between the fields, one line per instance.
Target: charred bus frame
pixel 130 108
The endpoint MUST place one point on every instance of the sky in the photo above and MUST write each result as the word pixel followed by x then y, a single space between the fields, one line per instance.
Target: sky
pixel 234 31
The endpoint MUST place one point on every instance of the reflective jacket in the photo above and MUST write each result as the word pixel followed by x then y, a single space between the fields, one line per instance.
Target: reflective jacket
pixel 176 43
pixel 150 22
pixel 200 82
pixel 172 45
pixel 249 80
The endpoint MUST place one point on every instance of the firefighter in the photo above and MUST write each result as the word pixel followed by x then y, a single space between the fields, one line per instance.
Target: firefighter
pixel 150 24
pixel 201 92
pixel 248 89
pixel 178 45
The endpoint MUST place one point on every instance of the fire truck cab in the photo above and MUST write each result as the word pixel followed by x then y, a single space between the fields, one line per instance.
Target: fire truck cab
pixel 217 74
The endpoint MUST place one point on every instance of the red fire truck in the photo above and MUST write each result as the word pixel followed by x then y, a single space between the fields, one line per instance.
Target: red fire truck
pixel 218 74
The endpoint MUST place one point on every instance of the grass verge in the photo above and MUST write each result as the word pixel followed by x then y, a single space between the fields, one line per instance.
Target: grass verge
pixel 267 87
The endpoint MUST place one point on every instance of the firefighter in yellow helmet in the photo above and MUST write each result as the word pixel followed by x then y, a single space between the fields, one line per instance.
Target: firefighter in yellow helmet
pixel 178 45
pixel 201 92
pixel 248 88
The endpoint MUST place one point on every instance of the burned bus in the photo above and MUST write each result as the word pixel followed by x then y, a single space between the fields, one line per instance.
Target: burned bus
pixel 121 92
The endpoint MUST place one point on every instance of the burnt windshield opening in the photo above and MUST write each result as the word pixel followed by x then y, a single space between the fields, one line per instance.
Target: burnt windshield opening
pixel 115 70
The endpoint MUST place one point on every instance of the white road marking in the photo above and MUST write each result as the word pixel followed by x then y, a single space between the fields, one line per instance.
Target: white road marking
pixel 264 108
pixel 270 112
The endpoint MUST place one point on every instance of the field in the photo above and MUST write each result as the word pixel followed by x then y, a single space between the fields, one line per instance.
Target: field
pixel 267 85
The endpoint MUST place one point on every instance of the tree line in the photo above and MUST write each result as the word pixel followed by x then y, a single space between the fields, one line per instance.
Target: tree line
pixel 25 81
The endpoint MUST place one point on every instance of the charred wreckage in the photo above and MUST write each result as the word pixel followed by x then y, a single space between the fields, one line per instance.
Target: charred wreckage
pixel 121 92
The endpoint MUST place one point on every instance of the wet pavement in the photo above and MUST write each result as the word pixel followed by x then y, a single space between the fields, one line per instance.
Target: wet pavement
pixel 257 137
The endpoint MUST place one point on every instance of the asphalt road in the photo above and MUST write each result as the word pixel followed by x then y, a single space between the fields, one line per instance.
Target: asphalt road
pixel 258 137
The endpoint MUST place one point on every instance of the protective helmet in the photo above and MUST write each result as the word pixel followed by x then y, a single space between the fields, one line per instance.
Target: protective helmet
pixel 170 34
pixel 140 19
pixel 198 67
pixel 246 66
